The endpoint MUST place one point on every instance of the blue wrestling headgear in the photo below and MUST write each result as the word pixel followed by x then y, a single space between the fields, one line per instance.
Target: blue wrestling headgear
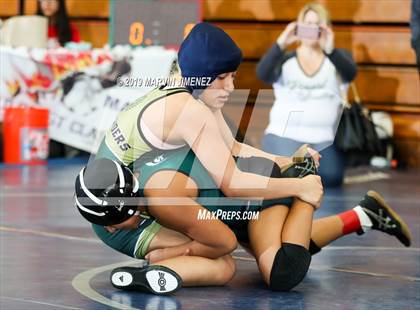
pixel 207 52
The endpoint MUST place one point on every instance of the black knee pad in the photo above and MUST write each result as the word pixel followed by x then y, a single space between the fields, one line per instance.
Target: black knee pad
pixel 313 248
pixel 289 267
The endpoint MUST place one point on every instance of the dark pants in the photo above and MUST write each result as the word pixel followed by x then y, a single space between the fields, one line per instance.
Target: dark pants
pixel 332 165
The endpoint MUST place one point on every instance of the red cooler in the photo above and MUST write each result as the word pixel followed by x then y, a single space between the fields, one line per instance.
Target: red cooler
pixel 25 135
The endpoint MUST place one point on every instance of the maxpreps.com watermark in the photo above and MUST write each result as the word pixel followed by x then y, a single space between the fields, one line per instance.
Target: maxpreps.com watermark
pixel 167 81
pixel 222 215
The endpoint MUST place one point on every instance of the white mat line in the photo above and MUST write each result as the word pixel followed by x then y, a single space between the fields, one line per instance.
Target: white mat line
pixel 327 248
pixel 39 303
pixel 81 283
pixel 37 194
pixel 359 272
pixel 366 177
pixel 368 273
pixel 48 234
pixel 371 248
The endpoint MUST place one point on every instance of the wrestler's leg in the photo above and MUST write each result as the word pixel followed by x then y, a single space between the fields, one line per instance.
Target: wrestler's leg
pixel 327 229
pixel 265 237
pixel 190 270
pixel 298 224
pixel 372 212
pixel 193 270
pixel 201 271
pixel 173 205
pixel 166 238
pixel 280 240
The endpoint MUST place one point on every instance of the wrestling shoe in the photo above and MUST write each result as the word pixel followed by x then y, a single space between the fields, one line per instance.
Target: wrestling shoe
pixel 155 279
pixel 301 166
pixel 385 219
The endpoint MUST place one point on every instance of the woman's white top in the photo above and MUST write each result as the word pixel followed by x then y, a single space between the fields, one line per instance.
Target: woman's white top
pixel 306 108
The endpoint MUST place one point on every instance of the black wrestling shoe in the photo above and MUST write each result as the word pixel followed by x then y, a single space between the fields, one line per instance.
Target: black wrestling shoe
pixel 301 167
pixel 155 279
pixel 384 218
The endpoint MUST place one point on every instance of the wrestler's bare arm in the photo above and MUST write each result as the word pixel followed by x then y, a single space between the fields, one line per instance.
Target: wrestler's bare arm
pixel 199 128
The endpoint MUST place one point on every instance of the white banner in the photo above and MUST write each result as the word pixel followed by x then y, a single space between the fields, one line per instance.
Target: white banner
pixel 84 97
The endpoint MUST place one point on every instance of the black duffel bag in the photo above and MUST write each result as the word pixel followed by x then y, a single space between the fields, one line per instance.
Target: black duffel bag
pixel 356 133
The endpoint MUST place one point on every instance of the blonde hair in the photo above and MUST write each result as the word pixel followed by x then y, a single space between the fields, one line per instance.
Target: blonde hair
pixel 324 15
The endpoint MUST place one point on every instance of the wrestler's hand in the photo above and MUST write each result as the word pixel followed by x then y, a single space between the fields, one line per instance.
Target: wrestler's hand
pixel 315 155
pixel 311 190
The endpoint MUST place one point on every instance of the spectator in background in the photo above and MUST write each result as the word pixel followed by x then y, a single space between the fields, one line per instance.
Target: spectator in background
pixel 415 29
pixel 308 86
pixel 60 31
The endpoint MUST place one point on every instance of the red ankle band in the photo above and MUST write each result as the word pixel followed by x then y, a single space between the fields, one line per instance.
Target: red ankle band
pixel 351 222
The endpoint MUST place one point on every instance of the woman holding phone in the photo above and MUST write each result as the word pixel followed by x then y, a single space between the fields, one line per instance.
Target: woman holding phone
pixel 307 83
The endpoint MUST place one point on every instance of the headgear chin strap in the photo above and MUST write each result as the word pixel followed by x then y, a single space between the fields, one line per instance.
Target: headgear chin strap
pixel 207 52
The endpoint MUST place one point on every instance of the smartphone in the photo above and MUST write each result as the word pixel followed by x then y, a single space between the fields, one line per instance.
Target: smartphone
pixel 308 32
